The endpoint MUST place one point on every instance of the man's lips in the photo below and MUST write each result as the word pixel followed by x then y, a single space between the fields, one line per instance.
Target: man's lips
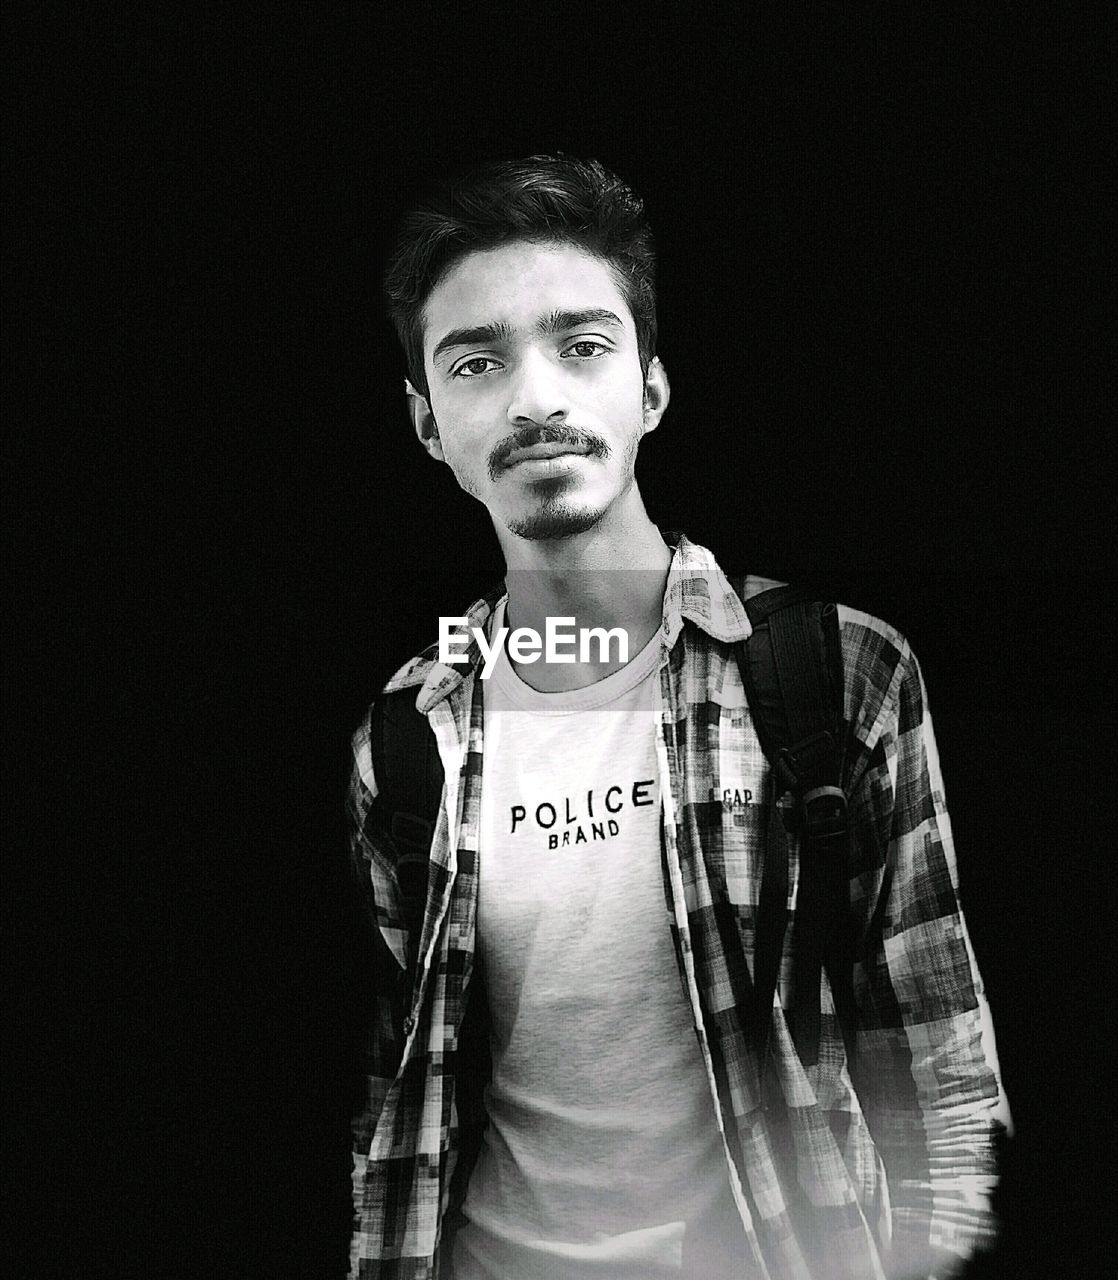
pixel 549 449
pixel 545 449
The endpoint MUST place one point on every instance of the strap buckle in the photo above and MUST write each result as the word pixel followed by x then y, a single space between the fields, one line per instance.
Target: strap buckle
pixel 824 810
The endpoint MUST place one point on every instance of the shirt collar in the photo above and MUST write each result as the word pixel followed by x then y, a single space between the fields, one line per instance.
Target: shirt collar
pixel 697 591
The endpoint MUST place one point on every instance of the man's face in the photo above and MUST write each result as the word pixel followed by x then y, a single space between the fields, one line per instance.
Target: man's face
pixel 535 386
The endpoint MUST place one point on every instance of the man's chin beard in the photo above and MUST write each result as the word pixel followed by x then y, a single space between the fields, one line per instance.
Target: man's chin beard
pixel 554 519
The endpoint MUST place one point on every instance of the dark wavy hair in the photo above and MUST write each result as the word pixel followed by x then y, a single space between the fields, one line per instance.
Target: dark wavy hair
pixel 544 198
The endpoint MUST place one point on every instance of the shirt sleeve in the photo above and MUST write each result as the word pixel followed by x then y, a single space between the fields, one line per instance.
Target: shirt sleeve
pixel 926 1062
pixel 381 1031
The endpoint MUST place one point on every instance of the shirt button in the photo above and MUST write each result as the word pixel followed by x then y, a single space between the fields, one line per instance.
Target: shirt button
pixel 409 1025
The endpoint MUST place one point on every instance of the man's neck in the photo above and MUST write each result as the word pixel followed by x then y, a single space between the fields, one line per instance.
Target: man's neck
pixel 610 577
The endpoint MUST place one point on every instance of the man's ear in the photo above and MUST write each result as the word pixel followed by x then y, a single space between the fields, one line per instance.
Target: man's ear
pixel 657 393
pixel 423 420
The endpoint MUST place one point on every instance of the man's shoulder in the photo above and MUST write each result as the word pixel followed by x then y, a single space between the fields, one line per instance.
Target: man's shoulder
pixel 876 656
pixel 862 632
pixel 409 679
pixel 414 672
pixel 424 667
pixel 754 585
pixel 868 639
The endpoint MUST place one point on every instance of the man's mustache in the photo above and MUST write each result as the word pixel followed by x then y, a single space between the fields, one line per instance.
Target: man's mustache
pixel 594 445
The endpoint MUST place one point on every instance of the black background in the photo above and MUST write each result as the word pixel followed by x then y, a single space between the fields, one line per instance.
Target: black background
pixel 863 245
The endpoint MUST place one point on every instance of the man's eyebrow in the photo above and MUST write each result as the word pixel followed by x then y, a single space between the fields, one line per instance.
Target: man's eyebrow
pixel 478 335
pixel 558 321
pixel 502 331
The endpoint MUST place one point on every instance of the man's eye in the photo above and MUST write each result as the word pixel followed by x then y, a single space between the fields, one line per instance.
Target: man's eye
pixel 474 367
pixel 585 349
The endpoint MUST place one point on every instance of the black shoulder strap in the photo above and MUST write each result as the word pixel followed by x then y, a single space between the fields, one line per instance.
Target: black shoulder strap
pixel 409 778
pixel 791 669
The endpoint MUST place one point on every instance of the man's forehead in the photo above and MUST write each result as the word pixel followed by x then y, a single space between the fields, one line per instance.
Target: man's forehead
pixel 521 285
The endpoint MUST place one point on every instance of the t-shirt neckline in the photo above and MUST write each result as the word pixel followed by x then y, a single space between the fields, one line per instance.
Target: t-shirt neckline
pixel 568 701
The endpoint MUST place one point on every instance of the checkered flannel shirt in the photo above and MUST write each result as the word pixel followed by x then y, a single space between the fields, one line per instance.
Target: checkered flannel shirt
pixel 891 1177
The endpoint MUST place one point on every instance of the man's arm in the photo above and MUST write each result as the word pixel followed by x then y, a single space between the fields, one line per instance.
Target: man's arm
pixel 927 1064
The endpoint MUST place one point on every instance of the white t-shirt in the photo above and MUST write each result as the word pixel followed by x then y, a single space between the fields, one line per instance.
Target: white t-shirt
pixel 602 1157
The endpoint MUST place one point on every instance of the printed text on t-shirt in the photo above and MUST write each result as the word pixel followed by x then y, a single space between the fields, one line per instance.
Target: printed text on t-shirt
pixel 572 820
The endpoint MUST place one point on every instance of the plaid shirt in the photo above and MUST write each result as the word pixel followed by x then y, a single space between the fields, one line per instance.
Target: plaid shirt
pixel 890 1177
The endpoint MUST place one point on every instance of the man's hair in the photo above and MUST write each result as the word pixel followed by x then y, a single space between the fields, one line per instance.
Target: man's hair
pixel 543 199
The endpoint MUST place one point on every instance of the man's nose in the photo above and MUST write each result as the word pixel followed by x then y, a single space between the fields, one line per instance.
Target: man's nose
pixel 537 391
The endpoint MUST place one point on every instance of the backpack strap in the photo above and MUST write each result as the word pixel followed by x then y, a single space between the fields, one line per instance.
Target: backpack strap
pixel 409 776
pixel 791 670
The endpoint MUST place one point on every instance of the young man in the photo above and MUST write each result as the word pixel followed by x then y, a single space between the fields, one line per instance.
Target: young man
pixel 562 1076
